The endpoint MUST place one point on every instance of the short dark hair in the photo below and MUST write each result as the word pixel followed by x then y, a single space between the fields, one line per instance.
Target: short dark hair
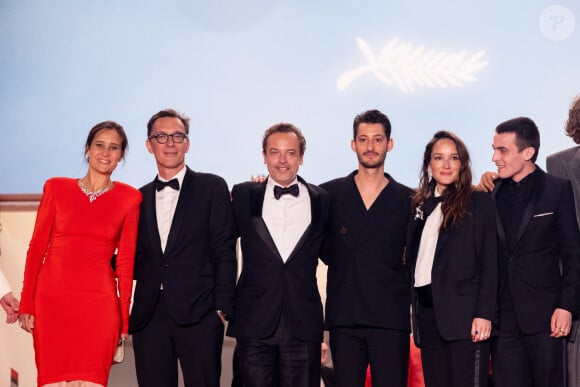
pixel 108 125
pixel 527 133
pixel 573 122
pixel 372 117
pixel 167 113
pixel 284 127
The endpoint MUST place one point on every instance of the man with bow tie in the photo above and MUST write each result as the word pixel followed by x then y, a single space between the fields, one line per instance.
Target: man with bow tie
pixel 185 265
pixel 281 224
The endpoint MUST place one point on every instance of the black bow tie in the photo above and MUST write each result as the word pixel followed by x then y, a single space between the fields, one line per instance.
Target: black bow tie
pixel 279 191
pixel 173 183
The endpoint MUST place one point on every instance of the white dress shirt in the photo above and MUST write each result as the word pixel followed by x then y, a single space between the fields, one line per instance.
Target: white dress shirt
pixel 286 218
pixel 4 286
pixel 427 247
pixel 165 204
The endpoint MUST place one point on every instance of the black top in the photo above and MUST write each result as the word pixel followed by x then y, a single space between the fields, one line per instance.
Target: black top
pixel 367 282
pixel 512 200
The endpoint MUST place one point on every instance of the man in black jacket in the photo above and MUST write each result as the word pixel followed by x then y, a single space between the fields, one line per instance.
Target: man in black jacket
pixel 368 287
pixel 539 261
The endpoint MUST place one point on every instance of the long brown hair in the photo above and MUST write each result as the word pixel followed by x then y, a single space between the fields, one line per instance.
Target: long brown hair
pixel 456 197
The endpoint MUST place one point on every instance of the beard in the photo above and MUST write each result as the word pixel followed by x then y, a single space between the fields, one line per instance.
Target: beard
pixel 372 164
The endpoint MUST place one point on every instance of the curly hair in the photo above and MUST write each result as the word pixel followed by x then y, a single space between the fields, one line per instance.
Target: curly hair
pixel 456 197
pixel 573 122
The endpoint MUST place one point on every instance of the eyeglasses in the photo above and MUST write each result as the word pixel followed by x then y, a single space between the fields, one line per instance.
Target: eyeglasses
pixel 162 138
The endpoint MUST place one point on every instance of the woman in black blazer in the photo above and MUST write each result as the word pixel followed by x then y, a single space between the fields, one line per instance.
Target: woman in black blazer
pixel 452 249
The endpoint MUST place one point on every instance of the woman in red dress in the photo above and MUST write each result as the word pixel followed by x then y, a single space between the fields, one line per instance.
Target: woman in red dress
pixel 73 302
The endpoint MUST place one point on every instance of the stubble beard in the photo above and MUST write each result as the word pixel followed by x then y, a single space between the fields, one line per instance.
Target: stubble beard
pixel 380 163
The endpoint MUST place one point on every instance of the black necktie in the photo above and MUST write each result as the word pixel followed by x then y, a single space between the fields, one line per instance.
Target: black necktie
pixel 279 191
pixel 173 183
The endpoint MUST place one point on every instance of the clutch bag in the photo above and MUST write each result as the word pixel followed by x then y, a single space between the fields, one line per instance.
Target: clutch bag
pixel 119 355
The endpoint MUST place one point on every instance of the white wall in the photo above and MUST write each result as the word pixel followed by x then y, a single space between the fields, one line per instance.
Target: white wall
pixel 16 349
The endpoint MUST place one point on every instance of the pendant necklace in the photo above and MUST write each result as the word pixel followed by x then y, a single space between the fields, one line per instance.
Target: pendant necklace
pixel 93 195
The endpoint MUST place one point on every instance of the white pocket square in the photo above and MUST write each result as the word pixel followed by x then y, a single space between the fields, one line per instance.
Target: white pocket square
pixel 543 214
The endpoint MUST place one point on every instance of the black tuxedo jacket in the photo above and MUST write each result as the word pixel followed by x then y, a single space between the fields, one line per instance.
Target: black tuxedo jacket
pixel 548 238
pixel 267 284
pixel 198 268
pixel 328 376
pixel 367 282
pixel 464 273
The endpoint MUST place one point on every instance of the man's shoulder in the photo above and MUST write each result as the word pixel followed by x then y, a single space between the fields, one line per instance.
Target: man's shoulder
pixel 245 186
pixel 337 183
pixel 400 187
pixel 318 190
pixel 205 177
pixel 557 184
pixel 565 154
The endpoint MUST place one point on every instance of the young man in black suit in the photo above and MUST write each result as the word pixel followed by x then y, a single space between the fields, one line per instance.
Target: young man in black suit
pixel 281 224
pixel 539 261
pixel 368 286
pixel 185 265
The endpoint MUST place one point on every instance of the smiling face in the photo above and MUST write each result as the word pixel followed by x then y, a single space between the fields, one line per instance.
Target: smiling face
pixel 282 157
pixel 104 152
pixel 371 145
pixel 170 156
pixel 509 160
pixel 445 163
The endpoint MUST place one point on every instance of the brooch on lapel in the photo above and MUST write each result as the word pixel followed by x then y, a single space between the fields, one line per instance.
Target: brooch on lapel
pixel 419 213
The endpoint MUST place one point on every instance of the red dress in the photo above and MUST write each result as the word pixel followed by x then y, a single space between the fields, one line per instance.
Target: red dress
pixel 69 284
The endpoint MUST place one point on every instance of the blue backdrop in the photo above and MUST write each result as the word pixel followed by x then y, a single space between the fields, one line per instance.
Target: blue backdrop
pixel 237 67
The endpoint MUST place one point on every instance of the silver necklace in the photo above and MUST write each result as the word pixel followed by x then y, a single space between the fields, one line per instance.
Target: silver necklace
pixel 93 195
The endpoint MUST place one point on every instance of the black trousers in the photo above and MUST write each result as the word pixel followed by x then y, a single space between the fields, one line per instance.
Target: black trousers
pixel 521 360
pixel 280 360
pixel 457 363
pixel 162 342
pixel 386 350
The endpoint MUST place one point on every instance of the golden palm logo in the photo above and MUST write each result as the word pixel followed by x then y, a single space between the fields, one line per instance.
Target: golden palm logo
pixel 401 65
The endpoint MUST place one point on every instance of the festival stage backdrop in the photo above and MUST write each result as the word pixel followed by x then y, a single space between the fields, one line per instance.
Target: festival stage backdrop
pixel 237 67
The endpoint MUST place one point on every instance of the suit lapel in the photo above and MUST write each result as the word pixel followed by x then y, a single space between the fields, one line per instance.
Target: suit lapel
pixel 150 217
pixel 573 168
pixel 499 224
pixel 185 195
pixel 573 172
pixel 256 205
pixel 537 191
pixel 315 208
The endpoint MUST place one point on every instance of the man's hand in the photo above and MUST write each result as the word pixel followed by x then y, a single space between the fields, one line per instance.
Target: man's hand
pixel 222 316
pixel 486 183
pixel 10 304
pixel 480 329
pixel 561 323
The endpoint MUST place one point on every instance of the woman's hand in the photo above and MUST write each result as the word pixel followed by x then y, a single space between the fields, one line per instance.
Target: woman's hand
pixel 26 322
pixel 480 329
